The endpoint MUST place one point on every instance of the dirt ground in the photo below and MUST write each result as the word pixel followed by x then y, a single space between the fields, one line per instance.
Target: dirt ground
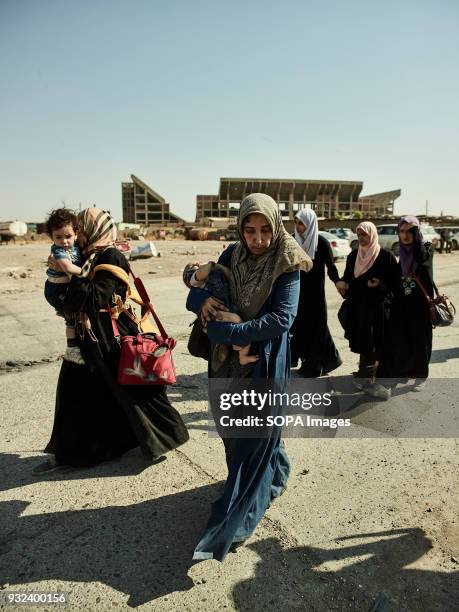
pixel 369 521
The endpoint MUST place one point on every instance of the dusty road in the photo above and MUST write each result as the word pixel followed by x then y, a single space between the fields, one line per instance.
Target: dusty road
pixel 364 519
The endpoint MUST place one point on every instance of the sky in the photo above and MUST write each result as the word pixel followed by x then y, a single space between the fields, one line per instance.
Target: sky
pixel 181 93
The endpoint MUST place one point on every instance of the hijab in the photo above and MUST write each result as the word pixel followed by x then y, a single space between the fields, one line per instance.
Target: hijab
pixel 99 229
pixel 309 240
pixel 367 255
pixel 408 251
pixel 253 276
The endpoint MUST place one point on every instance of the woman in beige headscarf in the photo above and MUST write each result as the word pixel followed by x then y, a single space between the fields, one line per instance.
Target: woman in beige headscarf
pixel 369 275
pixel 265 265
pixel 96 419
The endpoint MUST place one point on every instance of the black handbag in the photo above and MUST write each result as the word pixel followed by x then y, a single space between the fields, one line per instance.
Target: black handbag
pixel 441 309
pixel 198 342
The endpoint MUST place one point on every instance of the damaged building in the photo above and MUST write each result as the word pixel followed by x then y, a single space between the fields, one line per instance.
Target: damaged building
pixel 143 205
pixel 328 199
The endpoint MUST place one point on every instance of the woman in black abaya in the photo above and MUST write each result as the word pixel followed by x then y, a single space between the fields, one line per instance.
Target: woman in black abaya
pixel 408 341
pixel 96 419
pixel 311 339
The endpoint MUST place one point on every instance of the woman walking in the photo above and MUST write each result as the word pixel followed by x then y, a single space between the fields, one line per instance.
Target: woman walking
pixel 311 338
pixel 96 419
pixel 264 286
pixel 367 279
pixel 408 341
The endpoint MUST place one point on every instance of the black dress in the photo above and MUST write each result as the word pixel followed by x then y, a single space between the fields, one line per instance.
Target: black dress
pixel 311 338
pixel 363 313
pixel 408 340
pixel 96 419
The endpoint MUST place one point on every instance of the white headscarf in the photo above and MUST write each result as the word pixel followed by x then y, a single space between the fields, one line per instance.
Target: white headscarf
pixel 309 240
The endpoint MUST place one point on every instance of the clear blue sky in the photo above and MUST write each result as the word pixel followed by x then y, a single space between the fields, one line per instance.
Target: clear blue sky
pixel 182 92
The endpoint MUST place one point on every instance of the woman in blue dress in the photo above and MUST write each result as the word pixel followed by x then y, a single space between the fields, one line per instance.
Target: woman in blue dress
pixel 264 286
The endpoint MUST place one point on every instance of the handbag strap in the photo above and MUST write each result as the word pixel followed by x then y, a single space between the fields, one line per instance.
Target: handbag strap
pixel 116 331
pixel 422 288
pixel 143 294
pixel 146 300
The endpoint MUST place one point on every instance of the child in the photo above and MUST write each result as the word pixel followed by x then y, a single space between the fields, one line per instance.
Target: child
pixel 61 226
pixel 214 277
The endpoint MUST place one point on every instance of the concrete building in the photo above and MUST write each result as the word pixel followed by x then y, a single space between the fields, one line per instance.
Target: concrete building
pixel 143 205
pixel 327 198
pixel 379 204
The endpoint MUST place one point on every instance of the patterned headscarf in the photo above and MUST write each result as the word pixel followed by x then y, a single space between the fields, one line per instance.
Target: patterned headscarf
pixel 367 255
pixel 99 229
pixel 309 240
pixel 408 251
pixel 253 276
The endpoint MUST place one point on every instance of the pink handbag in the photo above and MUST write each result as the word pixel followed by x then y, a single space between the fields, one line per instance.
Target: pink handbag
pixel 146 359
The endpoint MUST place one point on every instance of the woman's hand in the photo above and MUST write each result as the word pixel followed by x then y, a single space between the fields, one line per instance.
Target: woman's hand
pixel 373 283
pixel 210 308
pixel 342 287
pixel 228 317
pixel 53 265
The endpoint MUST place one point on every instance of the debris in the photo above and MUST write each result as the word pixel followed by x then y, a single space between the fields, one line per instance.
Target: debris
pixel 144 251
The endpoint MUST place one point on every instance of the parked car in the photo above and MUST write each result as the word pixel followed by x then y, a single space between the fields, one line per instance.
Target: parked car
pixel 124 246
pixel 347 234
pixel 454 235
pixel 388 237
pixel 455 241
pixel 339 246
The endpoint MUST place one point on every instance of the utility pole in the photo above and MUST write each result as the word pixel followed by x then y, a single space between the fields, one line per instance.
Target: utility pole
pixel 427 208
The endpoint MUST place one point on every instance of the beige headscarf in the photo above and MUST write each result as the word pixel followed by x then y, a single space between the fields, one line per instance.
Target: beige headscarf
pixel 366 256
pixel 253 276
pixel 100 231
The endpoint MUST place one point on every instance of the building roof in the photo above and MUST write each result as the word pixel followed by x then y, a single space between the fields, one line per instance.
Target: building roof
pixel 383 197
pixel 156 195
pixel 279 189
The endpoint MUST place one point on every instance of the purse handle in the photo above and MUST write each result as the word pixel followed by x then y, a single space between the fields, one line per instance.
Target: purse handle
pixel 146 301
pixel 422 288
pixel 138 284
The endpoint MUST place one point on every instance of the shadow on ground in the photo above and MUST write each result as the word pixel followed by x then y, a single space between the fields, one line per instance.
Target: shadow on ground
pixel 189 387
pixel 443 355
pixel 304 578
pixel 142 550
pixel 411 410
pixel 16 471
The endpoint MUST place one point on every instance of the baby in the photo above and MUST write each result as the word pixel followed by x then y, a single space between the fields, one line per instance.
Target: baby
pixel 214 277
pixel 61 226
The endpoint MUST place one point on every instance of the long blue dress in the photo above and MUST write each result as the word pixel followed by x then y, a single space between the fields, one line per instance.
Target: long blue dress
pixel 258 468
